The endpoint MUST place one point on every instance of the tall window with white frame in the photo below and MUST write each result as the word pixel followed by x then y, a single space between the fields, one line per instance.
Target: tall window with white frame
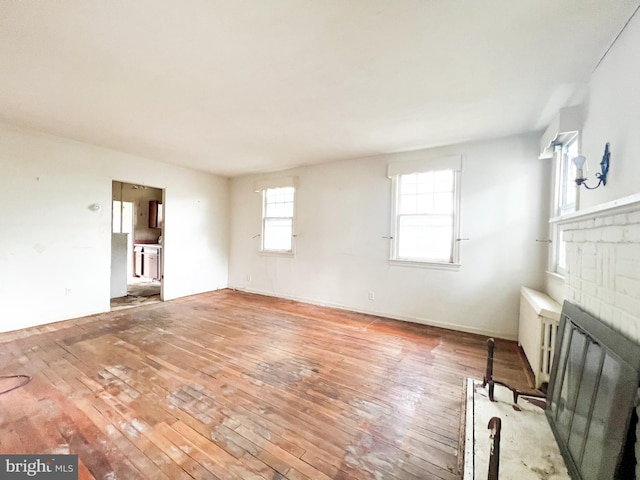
pixel 426 217
pixel 277 219
pixel 566 196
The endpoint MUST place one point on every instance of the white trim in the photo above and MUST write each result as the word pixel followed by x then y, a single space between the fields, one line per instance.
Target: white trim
pixel 555 275
pixel 569 120
pixel 621 205
pixel 279 182
pixel 425 264
pixel 450 162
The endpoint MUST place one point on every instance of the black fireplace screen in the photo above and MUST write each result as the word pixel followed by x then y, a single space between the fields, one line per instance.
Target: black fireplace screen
pixel 592 393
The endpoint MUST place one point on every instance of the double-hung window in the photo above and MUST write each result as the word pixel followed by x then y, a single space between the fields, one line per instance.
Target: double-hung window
pixel 425 222
pixel 278 207
pixel 566 195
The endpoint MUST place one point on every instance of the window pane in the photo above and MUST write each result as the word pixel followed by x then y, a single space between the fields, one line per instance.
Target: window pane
pixel 424 237
pixel 424 203
pixel 407 204
pixel 567 175
pixel 278 219
pixel 443 203
pixel 443 181
pixel 562 251
pixel 408 183
pixel 277 234
pixel 117 211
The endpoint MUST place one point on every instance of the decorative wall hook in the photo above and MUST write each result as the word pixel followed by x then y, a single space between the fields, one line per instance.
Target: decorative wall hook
pixel 604 167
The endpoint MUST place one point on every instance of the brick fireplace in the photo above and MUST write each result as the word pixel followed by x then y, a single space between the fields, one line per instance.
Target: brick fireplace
pixel 603 260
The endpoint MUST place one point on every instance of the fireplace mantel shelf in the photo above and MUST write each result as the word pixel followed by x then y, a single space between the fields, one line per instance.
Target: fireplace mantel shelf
pixel 621 205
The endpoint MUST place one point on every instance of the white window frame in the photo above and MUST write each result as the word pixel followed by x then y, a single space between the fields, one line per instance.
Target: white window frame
pixel 263 187
pixel 564 203
pixel 452 163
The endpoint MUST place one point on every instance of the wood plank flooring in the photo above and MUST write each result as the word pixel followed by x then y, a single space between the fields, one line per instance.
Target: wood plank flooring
pixel 229 385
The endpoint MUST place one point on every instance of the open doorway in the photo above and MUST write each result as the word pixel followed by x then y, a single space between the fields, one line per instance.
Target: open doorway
pixel 136 245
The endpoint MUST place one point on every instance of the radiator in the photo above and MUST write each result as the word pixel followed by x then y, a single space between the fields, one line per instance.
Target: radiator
pixel 537 329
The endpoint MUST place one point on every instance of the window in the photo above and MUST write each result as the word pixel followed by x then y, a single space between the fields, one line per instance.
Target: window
pixel 565 198
pixel 277 219
pixel 566 173
pixel 122 217
pixel 425 213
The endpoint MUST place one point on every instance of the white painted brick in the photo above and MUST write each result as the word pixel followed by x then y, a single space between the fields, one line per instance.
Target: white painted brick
pixel 628 251
pixel 592 305
pixel 616 321
pixel 606 265
pixel 578 235
pixel 574 226
pixel 613 234
pixel 586 224
pixel 634 217
pixel 589 287
pixel 628 286
pixel 621 219
pixel 627 304
pixel 606 312
pixel 587 249
pixel 588 261
pixel 607 295
pixel 568 236
pixel 608 220
pixel 598 222
pixel 575 282
pixel 589 275
pixel 632 233
pixel 594 235
pixel 628 268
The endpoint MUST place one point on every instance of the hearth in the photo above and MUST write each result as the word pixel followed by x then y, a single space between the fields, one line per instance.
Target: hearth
pixel 593 393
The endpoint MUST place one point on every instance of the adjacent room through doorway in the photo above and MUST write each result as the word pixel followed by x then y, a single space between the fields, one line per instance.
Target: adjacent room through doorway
pixel 136 245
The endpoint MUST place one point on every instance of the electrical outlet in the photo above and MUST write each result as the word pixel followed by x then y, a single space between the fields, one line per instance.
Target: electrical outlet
pixel 248 277
pixel 372 296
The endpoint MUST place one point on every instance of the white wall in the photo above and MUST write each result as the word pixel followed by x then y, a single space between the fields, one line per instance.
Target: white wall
pixel 613 115
pixel 343 211
pixel 55 252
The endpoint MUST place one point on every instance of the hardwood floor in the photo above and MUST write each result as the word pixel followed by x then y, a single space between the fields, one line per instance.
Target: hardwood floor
pixel 233 385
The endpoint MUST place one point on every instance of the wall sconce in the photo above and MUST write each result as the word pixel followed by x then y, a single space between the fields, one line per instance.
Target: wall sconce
pixel 604 167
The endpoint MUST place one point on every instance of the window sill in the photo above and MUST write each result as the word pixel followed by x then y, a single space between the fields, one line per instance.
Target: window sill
pixel 429 265
pixel 556 275
pixel 275 253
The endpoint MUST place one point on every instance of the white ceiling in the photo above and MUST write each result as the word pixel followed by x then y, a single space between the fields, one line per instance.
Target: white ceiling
pixel 239 86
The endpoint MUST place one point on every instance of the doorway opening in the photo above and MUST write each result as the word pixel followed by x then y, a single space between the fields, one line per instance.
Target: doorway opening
pixel 136 245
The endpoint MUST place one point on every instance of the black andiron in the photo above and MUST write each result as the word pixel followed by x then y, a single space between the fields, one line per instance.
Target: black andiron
pixel 489 380
pixel 495 425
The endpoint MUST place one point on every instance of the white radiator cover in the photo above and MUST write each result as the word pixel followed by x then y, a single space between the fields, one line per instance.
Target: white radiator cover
pixel 538 325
